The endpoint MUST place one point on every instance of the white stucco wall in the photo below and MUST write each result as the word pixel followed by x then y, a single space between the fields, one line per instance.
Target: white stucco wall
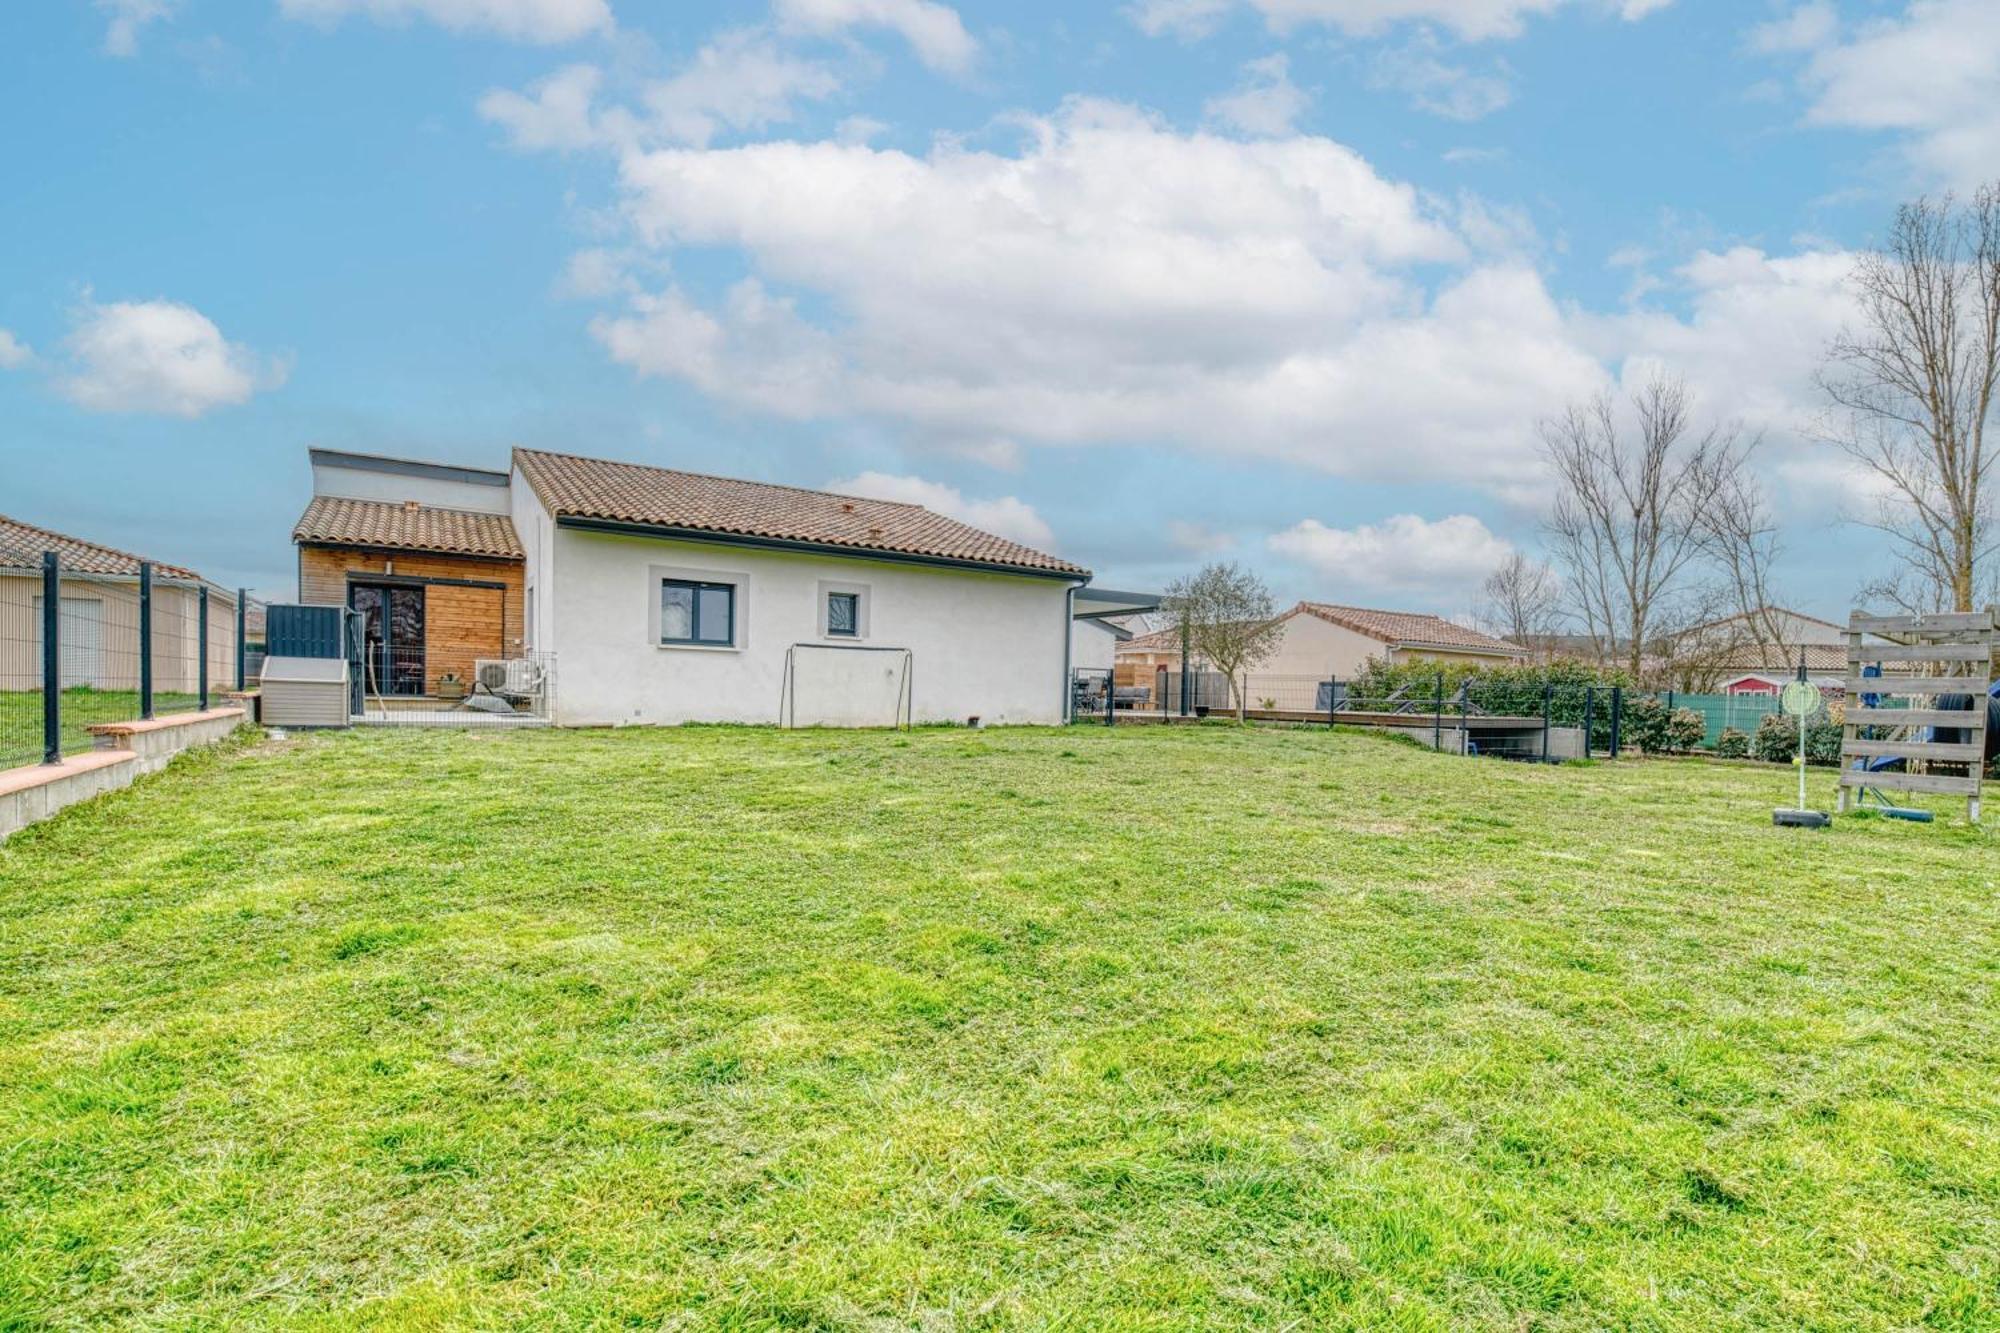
pixel 1313 647
pixel 536 531
pixel 985 645
pixel 1092 646
pixel 362 483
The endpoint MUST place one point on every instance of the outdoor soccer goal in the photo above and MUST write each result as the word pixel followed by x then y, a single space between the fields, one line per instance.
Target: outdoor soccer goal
pixel 846 685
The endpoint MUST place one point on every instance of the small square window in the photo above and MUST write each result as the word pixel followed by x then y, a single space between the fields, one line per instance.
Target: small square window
pixel 843 614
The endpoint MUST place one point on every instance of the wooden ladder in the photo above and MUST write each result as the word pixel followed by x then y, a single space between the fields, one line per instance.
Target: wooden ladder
pixel 1926 656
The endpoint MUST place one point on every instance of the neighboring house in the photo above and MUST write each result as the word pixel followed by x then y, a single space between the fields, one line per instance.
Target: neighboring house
pixel 99 637
pixel 1094 643
pixel 1763 673
pixel 671 597
pixel 1317 641
pixel 1319 638
pixel 1758 652
pixel 427 557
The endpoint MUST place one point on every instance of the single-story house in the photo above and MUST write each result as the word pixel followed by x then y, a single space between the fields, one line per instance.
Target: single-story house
pixel 666 596
pixel 1770 670
pixel 1757 653
pixel 99 638
pixel 1320 639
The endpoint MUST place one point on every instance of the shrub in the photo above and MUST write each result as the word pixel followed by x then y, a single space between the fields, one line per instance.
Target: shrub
pixel 1685 730
pixel 1777 740
pixel 1646 724
pixel 1732 744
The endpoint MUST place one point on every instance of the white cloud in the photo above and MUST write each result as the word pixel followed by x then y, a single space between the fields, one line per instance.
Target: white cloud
pixel 1198 538
pixel 557 112
pixel 1932 74
pixel 1806 28
pixel 1756 332
pixel 1113 281
pixel 14 353
pixel 158 356
pixel 934 31
pixel 539 21
pixel 1402 554
pixel 1471 20
pixel 1438 86
pixel 740 81
pixel 1266 102
pixel 1007 516
pixel 128 17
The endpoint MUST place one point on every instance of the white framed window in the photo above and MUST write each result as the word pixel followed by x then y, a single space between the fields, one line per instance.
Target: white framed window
pixel 697 610
pixel 697 613
pixel 843 610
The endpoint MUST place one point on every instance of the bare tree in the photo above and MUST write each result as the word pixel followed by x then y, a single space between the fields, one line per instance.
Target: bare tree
pixel 1627 519
pixel 1740 538
pixel 1522 601
pixel 1227 615
pixel 1913 391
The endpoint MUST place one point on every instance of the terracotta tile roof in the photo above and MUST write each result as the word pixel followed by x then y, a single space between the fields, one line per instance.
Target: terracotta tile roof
pixel 574 487
pixel 1410 628
pixel 331 521
pixel 22 544
pixel 1784 659
pixel 1159 641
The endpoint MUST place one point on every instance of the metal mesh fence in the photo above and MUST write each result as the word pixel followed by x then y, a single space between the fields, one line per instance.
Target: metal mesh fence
pixel 126 647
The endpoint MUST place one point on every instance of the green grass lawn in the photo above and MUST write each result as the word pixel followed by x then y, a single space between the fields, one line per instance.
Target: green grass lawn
pixel 1127 1028
pixel 21 718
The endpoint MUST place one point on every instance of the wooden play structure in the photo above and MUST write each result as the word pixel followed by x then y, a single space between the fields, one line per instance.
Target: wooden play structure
pixel 1919 702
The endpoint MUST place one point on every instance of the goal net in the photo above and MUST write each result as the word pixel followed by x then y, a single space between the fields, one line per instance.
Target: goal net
pixel 841 685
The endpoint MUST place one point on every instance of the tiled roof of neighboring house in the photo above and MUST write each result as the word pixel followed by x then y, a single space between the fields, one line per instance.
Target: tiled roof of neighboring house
pixel 574 487
pixel 1410 628
pixel 1784 658
pixel 22 544
pixel 1159 641
pixel 331 521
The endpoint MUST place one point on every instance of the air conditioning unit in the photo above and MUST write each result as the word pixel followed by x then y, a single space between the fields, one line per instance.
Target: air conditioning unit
pixel 511 678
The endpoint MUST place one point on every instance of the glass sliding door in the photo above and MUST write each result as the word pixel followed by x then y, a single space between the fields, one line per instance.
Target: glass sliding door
pixel 392 637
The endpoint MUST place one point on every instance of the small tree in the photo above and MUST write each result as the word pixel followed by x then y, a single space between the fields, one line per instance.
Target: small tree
pixel 1521 601
pixel 1226 613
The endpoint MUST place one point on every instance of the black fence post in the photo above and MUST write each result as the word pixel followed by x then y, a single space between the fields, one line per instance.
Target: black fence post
pixel 145 641
pixel 1589 720
pixel 1111 698
pixel 201 643
pixel 1548 704
pixel 1332 697
pixel 1465 716
pixel 51 658
pixel 242 620
pixel 1437 712
pixel 1617 716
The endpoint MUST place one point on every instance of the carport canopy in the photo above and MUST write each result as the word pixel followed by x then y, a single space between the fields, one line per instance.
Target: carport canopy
pixel 1094 603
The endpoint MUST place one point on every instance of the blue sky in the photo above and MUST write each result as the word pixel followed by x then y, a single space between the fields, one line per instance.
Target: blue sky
pixel 1289 281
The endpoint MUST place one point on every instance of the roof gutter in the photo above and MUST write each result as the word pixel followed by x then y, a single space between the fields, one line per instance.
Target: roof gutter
pixel 669 532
